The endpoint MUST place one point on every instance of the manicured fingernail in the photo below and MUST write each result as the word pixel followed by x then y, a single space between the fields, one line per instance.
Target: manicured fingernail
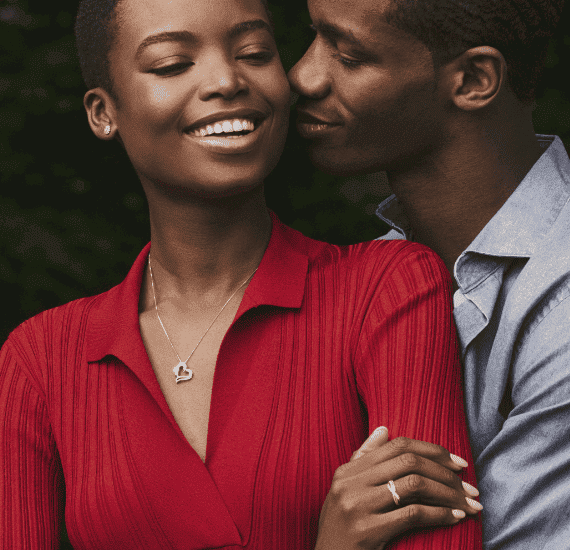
pixel 459 514
pixel 474 504
pixel 459 461
pixel 378 432
pixel 373 436
pixel 470 489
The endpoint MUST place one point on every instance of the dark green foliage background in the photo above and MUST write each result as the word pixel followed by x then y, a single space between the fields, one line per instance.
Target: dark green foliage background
pixel 72 212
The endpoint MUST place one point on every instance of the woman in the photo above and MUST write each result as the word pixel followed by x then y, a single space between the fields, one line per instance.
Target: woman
pixel 295 350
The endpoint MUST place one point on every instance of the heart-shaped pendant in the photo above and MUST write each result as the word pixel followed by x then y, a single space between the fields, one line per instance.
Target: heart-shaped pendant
pixel 182 372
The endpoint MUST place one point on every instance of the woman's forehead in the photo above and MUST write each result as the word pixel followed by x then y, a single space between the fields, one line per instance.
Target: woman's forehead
pixel 149 13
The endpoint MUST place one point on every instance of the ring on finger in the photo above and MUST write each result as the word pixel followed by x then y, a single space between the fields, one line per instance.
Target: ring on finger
pixel 392 489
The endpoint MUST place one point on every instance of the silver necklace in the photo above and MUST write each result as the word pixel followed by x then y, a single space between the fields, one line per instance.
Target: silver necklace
pixel 181 370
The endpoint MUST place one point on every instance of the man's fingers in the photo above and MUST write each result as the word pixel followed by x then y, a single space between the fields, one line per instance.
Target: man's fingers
pixel 375 440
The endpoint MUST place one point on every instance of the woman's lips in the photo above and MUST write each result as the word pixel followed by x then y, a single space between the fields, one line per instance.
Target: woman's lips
pixel 231 145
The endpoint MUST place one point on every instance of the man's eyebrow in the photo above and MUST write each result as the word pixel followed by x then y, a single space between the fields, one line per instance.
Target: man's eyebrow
pixel 333 33
pixel 190 38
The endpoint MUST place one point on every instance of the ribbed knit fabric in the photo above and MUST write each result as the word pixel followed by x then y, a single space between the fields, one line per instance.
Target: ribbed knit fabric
pixel 329 343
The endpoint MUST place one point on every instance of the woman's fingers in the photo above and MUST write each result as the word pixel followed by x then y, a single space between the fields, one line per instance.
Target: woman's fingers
pixel 402 445
pixel 416 489
pixel 387 526
pixel 399 493
pixel 371 470
pixel 418 476
pixel 375 440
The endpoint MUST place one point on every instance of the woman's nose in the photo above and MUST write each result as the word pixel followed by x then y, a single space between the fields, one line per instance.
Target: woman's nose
pixel 222 79
pixel 309 76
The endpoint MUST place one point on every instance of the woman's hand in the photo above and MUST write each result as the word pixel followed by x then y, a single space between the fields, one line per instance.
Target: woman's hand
pixel 360 511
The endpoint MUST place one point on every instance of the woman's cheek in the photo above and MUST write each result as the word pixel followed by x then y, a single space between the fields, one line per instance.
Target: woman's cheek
pixel 160 93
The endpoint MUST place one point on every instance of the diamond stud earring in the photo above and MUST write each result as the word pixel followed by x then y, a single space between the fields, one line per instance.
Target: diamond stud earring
pixel 107 130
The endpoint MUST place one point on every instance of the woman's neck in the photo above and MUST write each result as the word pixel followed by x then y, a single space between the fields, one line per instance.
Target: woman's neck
pixel 205 247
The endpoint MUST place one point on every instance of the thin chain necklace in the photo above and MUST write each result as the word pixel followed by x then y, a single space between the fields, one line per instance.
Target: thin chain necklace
pixel 181 370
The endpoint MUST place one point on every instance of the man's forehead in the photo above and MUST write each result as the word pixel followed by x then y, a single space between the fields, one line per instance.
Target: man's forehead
pixel 365 19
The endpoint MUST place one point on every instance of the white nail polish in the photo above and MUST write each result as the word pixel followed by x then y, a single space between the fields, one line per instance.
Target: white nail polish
pixel 474 504
pixel 458 513
pixel 470 489
pixel 459 461
pixel 379 432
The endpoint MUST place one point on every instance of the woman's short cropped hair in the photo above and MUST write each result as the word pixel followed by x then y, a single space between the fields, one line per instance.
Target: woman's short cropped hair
pixel 519 29
pixel 96 26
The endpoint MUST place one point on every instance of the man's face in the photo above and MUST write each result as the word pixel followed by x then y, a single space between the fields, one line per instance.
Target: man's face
pixel 372 85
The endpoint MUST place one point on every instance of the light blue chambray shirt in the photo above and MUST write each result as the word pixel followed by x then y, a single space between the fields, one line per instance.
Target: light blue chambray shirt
pixel 512 313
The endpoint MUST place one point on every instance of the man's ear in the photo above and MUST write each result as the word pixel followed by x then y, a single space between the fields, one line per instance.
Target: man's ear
pixel 101 113
pixel 476 77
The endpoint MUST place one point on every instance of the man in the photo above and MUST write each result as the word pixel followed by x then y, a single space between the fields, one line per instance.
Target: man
pixel 439 94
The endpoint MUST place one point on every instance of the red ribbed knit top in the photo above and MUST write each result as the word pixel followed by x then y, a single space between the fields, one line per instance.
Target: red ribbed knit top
pixel 329 342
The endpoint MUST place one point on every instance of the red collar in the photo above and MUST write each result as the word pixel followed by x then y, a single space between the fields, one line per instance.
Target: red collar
pixel 113 325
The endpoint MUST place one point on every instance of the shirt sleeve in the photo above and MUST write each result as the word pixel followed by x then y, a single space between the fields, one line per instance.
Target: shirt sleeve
pixel 408 373
pixel 525 470
pixel 31 480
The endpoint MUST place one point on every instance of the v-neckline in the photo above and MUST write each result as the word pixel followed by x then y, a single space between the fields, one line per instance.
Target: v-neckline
pixel 221 490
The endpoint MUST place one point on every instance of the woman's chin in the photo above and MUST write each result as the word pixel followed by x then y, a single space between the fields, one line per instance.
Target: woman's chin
pixel 208 190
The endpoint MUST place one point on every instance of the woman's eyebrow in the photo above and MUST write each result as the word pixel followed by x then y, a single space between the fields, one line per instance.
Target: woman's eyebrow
pixel 247 26
pixel 190 38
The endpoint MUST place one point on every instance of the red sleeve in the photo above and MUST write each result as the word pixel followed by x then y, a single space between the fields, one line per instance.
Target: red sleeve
pixel 408 373
pixel 31 480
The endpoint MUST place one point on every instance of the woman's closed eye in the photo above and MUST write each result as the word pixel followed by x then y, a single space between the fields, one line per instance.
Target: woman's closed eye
pixel 258 57
pixel 172 69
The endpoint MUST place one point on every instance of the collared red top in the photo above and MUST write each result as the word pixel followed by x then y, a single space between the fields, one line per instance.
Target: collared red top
pixel 328 343
pixel 512 314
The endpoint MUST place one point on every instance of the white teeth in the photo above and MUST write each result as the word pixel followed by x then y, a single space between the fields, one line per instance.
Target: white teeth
pixel 225 126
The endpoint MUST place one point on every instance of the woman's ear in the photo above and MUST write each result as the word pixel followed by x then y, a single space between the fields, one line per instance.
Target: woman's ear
pixel 101 113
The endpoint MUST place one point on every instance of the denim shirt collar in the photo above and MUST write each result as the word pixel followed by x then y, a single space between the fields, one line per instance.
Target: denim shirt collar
pixel 517 228
pixel 515 231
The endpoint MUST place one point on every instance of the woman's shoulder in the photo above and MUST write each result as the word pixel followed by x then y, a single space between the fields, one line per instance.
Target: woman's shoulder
pixel 378 256
pixel 54 326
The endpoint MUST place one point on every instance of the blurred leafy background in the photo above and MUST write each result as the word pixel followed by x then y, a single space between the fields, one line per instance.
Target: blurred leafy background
pixel 72 213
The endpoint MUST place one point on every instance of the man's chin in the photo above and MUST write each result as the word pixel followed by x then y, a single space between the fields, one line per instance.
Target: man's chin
pixel 342 165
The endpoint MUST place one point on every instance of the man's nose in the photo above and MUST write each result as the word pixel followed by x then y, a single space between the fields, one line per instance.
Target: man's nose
pixel 309 76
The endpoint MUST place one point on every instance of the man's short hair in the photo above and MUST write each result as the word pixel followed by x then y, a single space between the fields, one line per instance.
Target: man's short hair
pixel 519 29
pixel 96 27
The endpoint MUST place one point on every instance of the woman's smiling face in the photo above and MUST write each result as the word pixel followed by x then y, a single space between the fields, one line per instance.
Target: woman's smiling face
pixel 183 69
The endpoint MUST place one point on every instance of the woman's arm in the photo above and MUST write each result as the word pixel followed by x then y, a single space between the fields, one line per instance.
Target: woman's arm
pixel 31 480
pixel 408 374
